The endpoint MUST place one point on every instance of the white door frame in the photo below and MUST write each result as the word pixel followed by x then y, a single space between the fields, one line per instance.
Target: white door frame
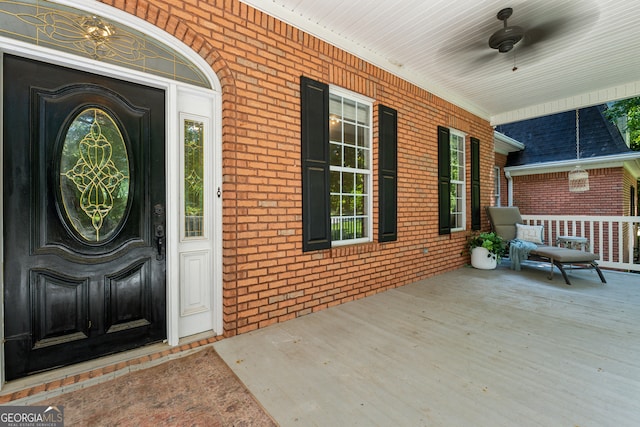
pixel 174 90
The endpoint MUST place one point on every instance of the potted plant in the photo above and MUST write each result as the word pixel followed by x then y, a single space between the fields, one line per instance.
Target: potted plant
pixel 487 248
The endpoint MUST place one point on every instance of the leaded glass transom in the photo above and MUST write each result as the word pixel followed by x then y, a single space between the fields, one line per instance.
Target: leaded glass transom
pixel 66 29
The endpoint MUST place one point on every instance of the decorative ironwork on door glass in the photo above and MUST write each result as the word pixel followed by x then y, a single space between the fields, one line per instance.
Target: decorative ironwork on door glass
pixel 94 169
pixel 193 178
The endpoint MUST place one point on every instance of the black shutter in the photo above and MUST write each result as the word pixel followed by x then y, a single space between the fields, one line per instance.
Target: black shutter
pixel 388 174
pixel 475 184
pixel 444 181
pixel 316 221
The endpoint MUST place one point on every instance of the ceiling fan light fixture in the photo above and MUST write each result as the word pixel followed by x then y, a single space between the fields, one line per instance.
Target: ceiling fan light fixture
pixel 506 38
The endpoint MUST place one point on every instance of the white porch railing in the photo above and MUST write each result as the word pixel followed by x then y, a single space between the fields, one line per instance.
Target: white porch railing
pixel 614 238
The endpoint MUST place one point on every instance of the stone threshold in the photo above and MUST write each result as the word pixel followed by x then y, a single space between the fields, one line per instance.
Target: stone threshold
pixel 38 387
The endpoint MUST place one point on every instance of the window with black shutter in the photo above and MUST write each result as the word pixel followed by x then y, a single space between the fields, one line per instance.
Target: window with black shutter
pixel 444 185
pixel 452 202
pixel 475 184
pixel 316 230
pixel 388 174
pixel 337 167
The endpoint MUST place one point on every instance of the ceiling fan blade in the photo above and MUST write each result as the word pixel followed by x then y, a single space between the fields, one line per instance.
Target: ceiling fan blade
pixel 544 32
pixel 562 29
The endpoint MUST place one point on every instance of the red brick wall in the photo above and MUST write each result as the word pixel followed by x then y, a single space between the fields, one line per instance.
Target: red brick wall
pixel 548 194
pixel 259 60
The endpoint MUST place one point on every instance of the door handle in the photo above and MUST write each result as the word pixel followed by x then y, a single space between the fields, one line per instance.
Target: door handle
pixel 160 242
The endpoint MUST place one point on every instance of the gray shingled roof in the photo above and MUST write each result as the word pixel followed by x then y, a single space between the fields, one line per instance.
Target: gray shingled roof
pixel 553 138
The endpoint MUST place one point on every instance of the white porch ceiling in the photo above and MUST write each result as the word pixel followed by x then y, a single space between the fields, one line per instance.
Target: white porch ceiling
pixel 442 46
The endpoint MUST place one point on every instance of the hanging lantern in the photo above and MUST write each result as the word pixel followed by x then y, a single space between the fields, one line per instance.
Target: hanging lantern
pixel 578 180
pixel 578 177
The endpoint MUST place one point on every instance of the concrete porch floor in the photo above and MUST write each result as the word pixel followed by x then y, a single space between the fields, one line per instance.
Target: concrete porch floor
pixel 471 347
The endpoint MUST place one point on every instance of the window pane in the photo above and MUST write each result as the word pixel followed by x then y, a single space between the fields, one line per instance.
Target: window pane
pixel 335 105
pixel 349 157
pixel 455 176
pixel 363 137
pixel 349 134
pixel 349 110
pixel 193 178
pixel 348 182
pixel 359 227
pixel 336 154
pixel 360 184
pixel 457 173
pixel 335 204
pixel 334 182
pixel 360 205
pixel 347 205
pixel 335 129
pixel 453 199
pixel 336 229
pixel 457 214
pixel 458 191
pixel 459 223
pixel 363 114
pixel 362 158
pixel 348 228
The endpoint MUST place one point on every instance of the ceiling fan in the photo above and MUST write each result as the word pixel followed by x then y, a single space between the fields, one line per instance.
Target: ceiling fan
pixel 548 32
pixel 506 37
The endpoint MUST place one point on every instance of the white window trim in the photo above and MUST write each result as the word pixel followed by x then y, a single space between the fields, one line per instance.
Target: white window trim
pixel 463 196
pixel 345 93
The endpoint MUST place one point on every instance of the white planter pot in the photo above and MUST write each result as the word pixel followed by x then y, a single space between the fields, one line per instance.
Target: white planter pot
pixel 482 259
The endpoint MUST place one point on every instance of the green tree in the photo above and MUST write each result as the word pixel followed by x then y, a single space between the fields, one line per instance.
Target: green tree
pixel 629 108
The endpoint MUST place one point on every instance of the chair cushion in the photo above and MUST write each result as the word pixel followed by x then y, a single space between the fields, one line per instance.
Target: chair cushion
pixel 503 221
pixel 564 255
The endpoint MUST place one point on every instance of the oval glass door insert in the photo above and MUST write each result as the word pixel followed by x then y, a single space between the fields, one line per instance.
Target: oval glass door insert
pixel 94 175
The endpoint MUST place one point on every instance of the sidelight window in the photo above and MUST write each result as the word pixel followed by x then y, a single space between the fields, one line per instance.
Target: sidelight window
pixel 193 151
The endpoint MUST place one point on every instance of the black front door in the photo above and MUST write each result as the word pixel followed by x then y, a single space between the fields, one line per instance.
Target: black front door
pixel 84 197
